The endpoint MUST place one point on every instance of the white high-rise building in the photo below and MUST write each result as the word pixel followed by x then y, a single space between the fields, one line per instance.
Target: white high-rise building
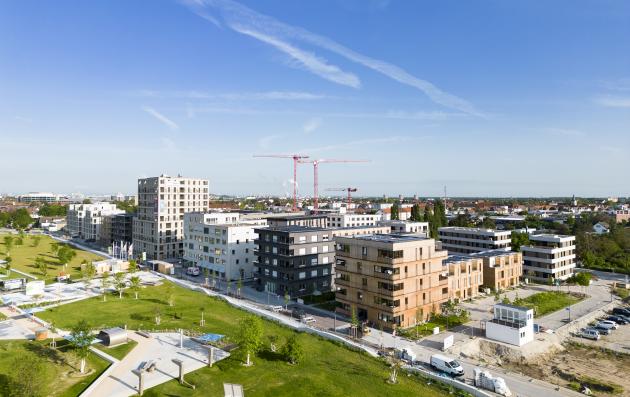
pixel 85 220
pixel 468 240
pixel 158 229
pixel 549 257
pixel 352 220
pixel 221 243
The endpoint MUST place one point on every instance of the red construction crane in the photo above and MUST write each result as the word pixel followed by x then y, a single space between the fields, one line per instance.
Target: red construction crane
pixel 350 190
pixel 296 158
pixel 316 177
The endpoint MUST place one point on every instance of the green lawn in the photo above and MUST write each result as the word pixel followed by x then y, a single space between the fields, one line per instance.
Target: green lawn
pixel 24 258
pixel 329 369
pixel 426 328
pixel 548 302
pixel 119 351
pixel 65 380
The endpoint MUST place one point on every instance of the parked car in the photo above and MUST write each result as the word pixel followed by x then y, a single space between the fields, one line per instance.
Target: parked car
pixel 601 330
pixel 589 333
pixel 622 311
pixel 618 319
pixel 193 271
pixel 607 324
pixel 447 365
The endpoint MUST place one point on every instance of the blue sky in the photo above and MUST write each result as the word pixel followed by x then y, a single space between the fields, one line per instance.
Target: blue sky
pixel 490 98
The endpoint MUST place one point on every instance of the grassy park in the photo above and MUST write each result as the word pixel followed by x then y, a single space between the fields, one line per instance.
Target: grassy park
pixel 119 351
pixel 548 302
pixel 24 256
pixel 328 368
pixel 57 371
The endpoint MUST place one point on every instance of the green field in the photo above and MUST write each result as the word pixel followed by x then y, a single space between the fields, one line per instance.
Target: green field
pixel 119 351
pixel 65 379
pixel 329 369
pixel 548 302
pixel 24 258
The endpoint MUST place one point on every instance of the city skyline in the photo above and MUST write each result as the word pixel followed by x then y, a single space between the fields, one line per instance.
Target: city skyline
pixel 528 100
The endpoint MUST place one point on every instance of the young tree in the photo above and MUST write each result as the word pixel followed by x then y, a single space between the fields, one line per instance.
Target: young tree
pixel 89 272
pixel 206 275
pixel 133 266
pixel 35 240
pixel 395 211
pixel 8 244
pixel 170 295
pixel 7 266
pixel 287 298
pixel 105 282
pixel 41 266
pixel 81 338
pixel 119 283
pixel 54 247
pixel 239 286
pixel 273 339
pixel 229 286
pixel 214 279
pixel 134 284
pixel 354 322
pixel 28 376
pixel 65 254
pixel 19 240
pixel 157 312
pixel 395 365
pixel 250 336
pixel 292 350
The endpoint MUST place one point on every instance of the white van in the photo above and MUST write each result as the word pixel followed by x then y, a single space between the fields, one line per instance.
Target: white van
pixel 447 365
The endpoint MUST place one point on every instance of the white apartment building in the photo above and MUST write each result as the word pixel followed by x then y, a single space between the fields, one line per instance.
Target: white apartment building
pixel 85 220
pixel 158 229
pixel 397 226
pixel 549 257
pixel 467 240
pixel 221 243
pixel 40 197
pixel 352 220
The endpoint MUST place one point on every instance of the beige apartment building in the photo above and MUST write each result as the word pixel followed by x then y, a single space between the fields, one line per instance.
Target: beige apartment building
pixel 465 276
pixel 158 229
pixel 501 269
pixel 390 280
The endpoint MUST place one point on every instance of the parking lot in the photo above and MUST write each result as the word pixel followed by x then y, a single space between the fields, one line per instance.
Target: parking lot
pixel 618 340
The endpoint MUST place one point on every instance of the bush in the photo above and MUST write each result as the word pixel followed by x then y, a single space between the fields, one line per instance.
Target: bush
pixel 292 350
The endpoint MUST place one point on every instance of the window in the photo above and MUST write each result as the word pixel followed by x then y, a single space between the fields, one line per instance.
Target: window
pixel 325 271
pixel 325 260
pixel 325 248
pixel 363 250
pixel 364 281
pixel 314 239
pixel 233 252
pixel 313 273
pixel 313 250
pixel 274 274
pixel 302 251
pixel 302 275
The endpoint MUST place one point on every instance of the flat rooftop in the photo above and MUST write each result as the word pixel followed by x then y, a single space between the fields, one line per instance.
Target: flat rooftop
pixel 391 238
pixel 294 229
pixel 471 229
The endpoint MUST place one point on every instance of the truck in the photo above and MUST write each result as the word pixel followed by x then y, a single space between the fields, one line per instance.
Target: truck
pixel 484 380
pixel 447 365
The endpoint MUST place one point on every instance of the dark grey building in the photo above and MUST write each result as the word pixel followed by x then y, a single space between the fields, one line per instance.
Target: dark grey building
pixel 122 228
pixel 294 259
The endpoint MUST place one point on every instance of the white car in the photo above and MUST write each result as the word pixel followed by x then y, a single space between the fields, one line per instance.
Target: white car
pixel 607 324
pixel 589 333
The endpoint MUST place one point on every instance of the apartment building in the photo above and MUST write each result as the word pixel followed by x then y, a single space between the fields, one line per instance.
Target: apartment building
pixel 359 231
pixel 297 260
pixel 122 228
pixel 467 240
pixel 105 232
pixel 501 269
pixel 40 197
pixel 85 220
pixel 298 220
pixel 549 257
pixel 465 276
pixel 397 226
pixel 352 220
pixel 390 280
pixel 158 228
pixel 622 215
pixel 221 243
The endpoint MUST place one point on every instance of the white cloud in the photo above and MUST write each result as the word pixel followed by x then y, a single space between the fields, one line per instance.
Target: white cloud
pixel 613 101
pixel 279 34
pixel 312 124
pixel 305 59
pixel 161 118
pixel 564 131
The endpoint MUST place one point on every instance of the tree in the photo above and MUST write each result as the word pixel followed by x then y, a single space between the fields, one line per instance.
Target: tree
pixel 206 275
pixel 239 286
pixel 21 219
pixel 133 266
pixel 415 213
pixel 287 298
pixel 35 240
pixel 519 240
pixel 157 312
pixel 81 338
pixel 41 266
pixel 395 365
pixel 273 339
pixel 170 296
pixel 488 223
pixel 105 282
pixel 395 211
pixel 134 284
pixel 87 201
pixel 19 240
pixel 119 283
pixel 354 322
pixel 65 254
pixel 250 336
pixel 54 247
pixel 292 350
pixel 89 272
pixel 28 376
pixel 7 266
pixel 8 244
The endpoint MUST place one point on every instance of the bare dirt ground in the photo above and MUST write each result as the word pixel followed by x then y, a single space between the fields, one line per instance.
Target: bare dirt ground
pixel 605 372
